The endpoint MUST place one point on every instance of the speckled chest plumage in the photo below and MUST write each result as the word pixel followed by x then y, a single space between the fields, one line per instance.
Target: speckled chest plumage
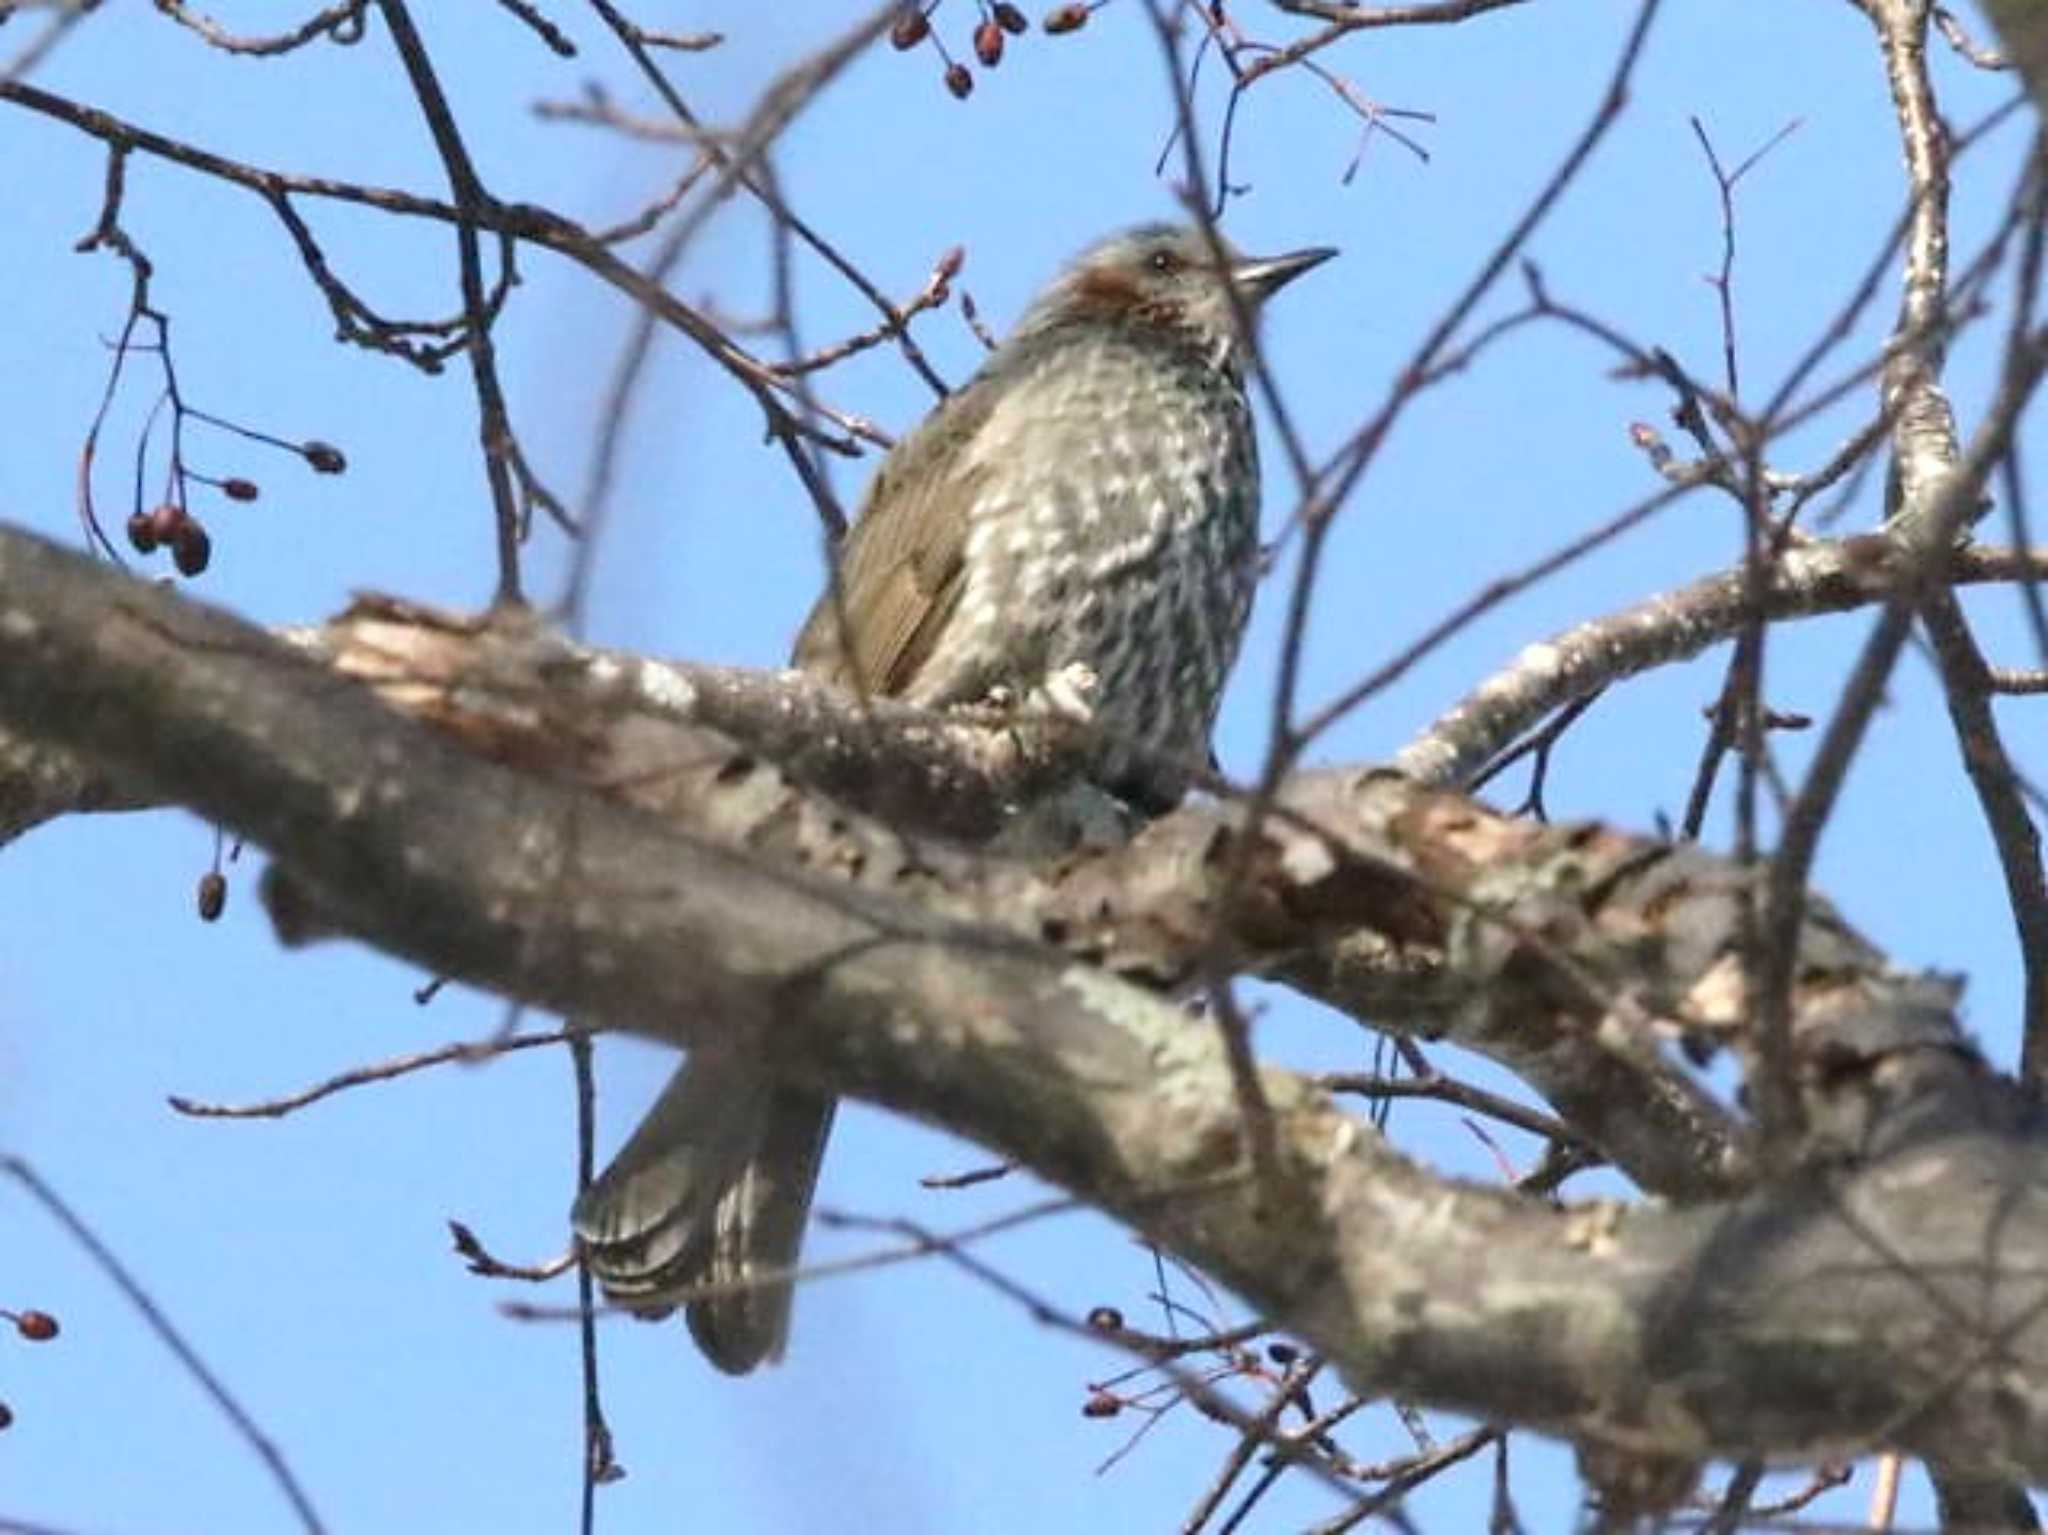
pixel 1119 532
pixel 1114 525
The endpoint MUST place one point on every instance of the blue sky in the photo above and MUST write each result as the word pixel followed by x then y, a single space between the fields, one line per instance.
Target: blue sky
pixel 306 1258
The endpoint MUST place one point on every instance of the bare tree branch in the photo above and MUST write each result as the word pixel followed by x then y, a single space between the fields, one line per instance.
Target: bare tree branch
pixel 1808 580
pixel 1651 1327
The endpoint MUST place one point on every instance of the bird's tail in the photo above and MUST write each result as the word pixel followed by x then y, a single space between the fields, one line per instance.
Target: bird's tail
pixel 713 1189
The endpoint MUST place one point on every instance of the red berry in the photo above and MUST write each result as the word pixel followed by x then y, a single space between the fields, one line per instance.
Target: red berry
pixel 36 1326
pixel 239 490
pixel 324 457
pixel 191 549
pixel 988 44
pixel 1065 18
pixel 213 895
pixel 1010 19
pixel 142 533
pixel 959 81
pixel 165 520
pixel 1101 1405
pixel 909 29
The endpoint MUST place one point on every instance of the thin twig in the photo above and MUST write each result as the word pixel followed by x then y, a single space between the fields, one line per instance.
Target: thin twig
pixel 251 1432
pixel 1258 1432
pixel 1945 512
pixel 1434 1085
pixel 600 1465
pixel 494 427
pixel 1966 685
pixel 341 22
pixel 466 1052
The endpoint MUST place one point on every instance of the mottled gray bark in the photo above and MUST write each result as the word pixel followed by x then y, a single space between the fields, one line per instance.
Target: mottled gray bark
pixel 655 876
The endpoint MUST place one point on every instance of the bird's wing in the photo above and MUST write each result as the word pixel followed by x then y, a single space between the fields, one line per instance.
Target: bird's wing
pixel 902 570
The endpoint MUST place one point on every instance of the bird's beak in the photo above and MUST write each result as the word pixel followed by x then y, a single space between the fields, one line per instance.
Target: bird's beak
pixel 1263 276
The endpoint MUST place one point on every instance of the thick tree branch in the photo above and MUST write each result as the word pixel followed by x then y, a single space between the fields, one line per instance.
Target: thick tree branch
pixel 1350 895
pixel 1889 1296
pixel 1573 956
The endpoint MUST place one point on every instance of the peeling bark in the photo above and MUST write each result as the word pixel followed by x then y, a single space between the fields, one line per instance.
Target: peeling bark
pixel 1883 1291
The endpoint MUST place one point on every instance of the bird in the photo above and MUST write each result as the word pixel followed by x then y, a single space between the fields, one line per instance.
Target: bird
pixel 1075 527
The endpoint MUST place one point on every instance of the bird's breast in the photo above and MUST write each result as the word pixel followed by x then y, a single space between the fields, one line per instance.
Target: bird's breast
pixel 1111 457
pixel 1116 528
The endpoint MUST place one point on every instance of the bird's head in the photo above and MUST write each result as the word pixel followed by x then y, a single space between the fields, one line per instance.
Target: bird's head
pixel 1169 276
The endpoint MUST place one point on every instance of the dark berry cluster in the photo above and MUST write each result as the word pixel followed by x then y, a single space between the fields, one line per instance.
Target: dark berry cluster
pixel 998 21
pixel 171 525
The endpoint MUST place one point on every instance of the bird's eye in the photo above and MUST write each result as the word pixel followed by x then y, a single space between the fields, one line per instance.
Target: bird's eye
pixel 1165 263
